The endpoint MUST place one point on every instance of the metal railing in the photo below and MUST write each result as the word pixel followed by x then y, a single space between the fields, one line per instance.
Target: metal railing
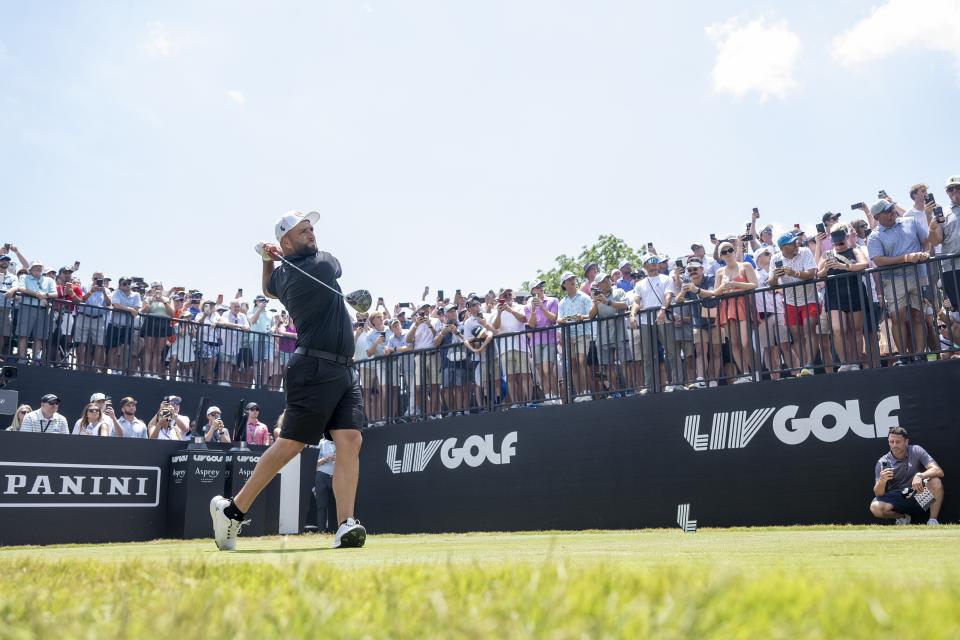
pixel 94 338
pixel 858 320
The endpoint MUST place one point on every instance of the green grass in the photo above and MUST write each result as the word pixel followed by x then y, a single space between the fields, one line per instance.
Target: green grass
pixel 811 582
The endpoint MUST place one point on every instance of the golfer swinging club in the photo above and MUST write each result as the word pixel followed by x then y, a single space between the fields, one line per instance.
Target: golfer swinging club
pixel 322 387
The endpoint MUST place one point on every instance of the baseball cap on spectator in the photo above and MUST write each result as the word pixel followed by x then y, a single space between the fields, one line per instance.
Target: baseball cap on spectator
pixel 50 273
pixel 473 302
pixel 829 215
pixel 392 322
pixel 35 263
pixel 537 283
pixel 196 295
pixel 6 257
pixel 695 246
pixel 650 259
pixel 49 398
pixel 664 258
pixel 156 283
pixel 449 308
pixel 763 251
pixel 767 229
pixel 98 397
pixel 291 219
pixel 251 405
pixel 952 181
pixel 127 400
pixel 787 238
pixel 694 262
pixel 566 276
pixel 601 277
pixel 587 267
pixel 880 206
pixel 173 399
pixel 65 270
pixel 505 289
pixel 623 264
pixel 179 296
pixel 213 409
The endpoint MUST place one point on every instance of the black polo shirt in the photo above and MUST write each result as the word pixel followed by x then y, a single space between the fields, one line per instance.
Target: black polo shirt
pixel 319 315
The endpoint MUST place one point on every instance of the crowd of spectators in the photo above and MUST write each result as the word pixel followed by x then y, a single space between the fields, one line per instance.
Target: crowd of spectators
pixel 99 417
pixel 742 307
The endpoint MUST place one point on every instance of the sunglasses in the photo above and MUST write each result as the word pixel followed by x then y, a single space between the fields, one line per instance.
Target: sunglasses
pixel 215 413
pixel 726 252
pixel 52 402
pixel 693 269
pixel 94 410
pixel 255 409
pixel 953 188
pixel 941 326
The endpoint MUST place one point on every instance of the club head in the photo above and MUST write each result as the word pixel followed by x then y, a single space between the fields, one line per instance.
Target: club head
pixel 360 300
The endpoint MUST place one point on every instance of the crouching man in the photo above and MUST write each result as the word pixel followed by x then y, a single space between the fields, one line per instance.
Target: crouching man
pixel 906 466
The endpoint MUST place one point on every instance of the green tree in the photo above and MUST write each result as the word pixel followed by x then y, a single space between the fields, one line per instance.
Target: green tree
pixel 608 251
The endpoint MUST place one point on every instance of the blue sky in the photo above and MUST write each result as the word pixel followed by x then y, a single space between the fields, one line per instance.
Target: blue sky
pixel 454 144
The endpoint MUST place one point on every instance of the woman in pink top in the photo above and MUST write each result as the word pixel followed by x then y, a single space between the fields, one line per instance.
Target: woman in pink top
pixel 541 314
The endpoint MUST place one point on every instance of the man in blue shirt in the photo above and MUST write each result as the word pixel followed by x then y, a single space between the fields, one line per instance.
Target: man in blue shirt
pixel 899 241
pixel 35 290
pixel 574 310
pixel 91 326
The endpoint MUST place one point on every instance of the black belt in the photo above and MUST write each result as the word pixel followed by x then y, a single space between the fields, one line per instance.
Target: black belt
pixel 324 355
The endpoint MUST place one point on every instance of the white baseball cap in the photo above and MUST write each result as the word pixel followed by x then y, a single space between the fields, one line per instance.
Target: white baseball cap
pixel 97 397
pixel 213 410
pixel 291 219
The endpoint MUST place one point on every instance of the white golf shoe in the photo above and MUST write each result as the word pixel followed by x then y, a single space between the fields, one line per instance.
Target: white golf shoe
pixel 225 530
pixel 351 534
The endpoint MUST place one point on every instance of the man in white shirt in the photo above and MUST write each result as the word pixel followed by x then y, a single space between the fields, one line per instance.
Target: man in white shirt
pixel 427 365
pixel 33 320
pixel 46 419
pixel 510 323
pixel 126 304
pixel 574 310
pixel 607 303
pixel 235 322
pixel 652 298
pixel 795 264
pixel 209 340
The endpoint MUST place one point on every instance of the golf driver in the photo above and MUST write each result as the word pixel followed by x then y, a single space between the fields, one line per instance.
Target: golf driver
pixel 360 299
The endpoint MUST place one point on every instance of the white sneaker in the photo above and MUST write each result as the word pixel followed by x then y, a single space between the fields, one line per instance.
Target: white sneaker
pixel 743 380
pixel 351 534
pixel 712 384
pixel 224 383
pixel 225 530
pixel 699 384
pixel 932 522
pixel 843 367
pixel 853 367
pixel 668 388
pixel 903 520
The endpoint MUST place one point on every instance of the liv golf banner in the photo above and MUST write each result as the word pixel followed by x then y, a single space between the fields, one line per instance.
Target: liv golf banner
pixel 798 451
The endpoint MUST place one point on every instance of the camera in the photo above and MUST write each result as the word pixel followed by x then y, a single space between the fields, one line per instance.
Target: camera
pixel 938 214
pixel 166 414
pixel 778 264
pixel 422 314
pixel 98 282
pixel 595 290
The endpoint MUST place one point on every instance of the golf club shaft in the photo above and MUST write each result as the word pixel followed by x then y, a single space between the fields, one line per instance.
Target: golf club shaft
pixel 317 280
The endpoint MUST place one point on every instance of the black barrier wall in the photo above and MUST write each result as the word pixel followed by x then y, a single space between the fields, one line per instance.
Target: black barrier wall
pixel 799 451
pixel 60 489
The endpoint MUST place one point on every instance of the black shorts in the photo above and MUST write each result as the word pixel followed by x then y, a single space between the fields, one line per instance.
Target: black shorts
pixel 321 397
pixel 117 336
pixel 244 357
pixel 902 505
pixel 155 327
pixel 951 286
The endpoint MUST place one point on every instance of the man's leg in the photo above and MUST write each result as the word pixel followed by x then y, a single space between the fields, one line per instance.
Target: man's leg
pixel 347 473
pixel 936 488
pixel 273 459
pixel 884 510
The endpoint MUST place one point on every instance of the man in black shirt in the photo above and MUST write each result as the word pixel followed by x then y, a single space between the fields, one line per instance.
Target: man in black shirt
pixel 322 385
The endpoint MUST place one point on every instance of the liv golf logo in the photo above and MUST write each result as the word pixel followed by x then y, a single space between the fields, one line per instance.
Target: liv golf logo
pixel 827 421
pixel 475 451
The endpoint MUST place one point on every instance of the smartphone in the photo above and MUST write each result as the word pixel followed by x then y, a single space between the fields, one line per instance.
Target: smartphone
pixel 405 305
pixel 756 212
pixel 778 264
pixel 748 237
pixel 856 206
pixel 928 199
pixel 649 246
pixel 881 194
pixel 440 294
pixel 748 226
pixel 821 228
pixel 713 237
pixel 938 214
pixel 239 293
pixel 6 246
pixel 458 293
pixel 679 263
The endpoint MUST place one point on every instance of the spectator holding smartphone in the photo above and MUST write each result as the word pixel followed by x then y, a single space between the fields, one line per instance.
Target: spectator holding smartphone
pixel 541 315
pixel 794 265
pixel 209 340
pixel 157 311
pixel 905 467
pixel 285 330
pixel 235 324
pixel 737 315
pixel 574 310
pixel 396 343
pixel 653 296
pixel 373 343
pixel 607 303
pixel 8 281
pixel 509 324
pixel 215 430
pixel 427 369
pixel 261 340
pixel 90 330
pixel 90 422
pixel 944 230
pixel 126 305
pixel 899 241
pixel 845 297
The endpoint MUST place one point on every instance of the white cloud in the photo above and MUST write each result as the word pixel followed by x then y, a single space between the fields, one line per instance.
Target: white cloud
pixel 158 42
pixel 237 96
pixel 756 56
pixel 933 25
